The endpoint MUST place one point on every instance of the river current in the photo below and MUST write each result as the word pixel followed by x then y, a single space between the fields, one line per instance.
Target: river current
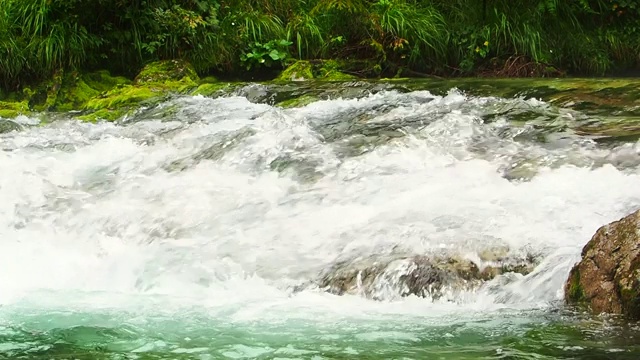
pixel 192 230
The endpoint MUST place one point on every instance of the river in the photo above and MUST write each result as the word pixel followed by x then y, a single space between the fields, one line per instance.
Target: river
pixel 192 229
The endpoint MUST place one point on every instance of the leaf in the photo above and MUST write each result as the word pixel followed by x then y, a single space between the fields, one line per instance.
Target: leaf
pixel 275 55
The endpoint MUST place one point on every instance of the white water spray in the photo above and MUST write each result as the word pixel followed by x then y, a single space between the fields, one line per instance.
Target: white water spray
pixel 232 204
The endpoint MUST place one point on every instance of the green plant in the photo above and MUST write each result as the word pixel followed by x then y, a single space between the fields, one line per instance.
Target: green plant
pixel 267 54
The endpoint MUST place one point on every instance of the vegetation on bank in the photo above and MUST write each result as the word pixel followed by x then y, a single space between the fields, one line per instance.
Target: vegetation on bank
pixel 39 38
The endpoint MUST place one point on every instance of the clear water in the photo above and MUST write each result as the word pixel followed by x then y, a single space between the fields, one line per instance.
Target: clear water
pixel 193 230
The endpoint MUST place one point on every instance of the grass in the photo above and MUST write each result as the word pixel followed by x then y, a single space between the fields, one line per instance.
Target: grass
pixel 442 37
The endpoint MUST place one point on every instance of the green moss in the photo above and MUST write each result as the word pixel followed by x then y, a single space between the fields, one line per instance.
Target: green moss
pixel 575 292
pixel 74 93
pixel 128 95
pixel 167 71
pixel 103 114
pixel 8 114
pixel 208 80
pixel 338 76
pixel 54 89
pixel 327 70
pixel 330 71
pixel 300 70
pixel 297 101
pixel 630 294
pixel 210 89
pixel 103 81
pixel 184 86
pixel 399 79
pixel 630 302
pixel 44 95
pixel 151 86
pixel 11 109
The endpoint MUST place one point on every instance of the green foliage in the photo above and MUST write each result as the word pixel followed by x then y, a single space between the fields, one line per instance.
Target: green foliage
pixel 447 37
pixel 265 54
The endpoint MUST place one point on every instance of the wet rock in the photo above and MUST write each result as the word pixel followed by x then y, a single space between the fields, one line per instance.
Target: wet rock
pixel 9 126
pixel 215 148
pixel 607 279
pixel 384 277
pixel 298 101
pixel 212 89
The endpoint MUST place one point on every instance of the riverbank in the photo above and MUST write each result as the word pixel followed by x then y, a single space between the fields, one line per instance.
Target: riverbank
pixel 99 96
pixel 252 39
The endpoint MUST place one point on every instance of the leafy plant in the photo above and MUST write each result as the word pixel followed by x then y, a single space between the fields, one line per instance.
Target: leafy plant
pixel 267 54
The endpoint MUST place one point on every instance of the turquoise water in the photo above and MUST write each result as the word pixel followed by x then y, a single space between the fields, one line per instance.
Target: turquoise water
pixel 199 229
pixel 502 335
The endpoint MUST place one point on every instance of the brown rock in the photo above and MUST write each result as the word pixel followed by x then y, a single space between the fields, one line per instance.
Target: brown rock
pixel 607 279
pixel 383 277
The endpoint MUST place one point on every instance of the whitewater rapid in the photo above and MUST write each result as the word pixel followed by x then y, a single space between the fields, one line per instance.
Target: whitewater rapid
pixel 228 205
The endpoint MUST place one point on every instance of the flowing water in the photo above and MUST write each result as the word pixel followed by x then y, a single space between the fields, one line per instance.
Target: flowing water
pixel 196 229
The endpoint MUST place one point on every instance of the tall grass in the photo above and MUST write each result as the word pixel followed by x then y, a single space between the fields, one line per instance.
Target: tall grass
pixel 446 37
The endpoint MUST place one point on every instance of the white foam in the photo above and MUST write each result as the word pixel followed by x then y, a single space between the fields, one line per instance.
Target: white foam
pixel 107 225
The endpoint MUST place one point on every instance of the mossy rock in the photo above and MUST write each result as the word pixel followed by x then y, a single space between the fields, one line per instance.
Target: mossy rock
pixel 210 89
pixel 414 275
pixel 128 95
pixel 299 70
pixel 103 80
pixel 298 101
pixel 45 95
pixel 167 71
pixel 103 114
pixel 575 292
pixel 607 279
pixel 12 109
pixel 208 80
pixel 154 83
pixel 327 70
pixel 74 93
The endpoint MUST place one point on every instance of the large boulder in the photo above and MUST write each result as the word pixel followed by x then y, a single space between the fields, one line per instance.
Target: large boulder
pixel 607 279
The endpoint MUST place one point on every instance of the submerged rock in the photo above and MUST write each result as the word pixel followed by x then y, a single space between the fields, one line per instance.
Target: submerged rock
pixel 607 279
pixel 9 126
pixel 384 277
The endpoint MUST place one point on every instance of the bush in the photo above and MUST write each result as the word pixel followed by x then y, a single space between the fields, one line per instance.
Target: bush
pixel 448 37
